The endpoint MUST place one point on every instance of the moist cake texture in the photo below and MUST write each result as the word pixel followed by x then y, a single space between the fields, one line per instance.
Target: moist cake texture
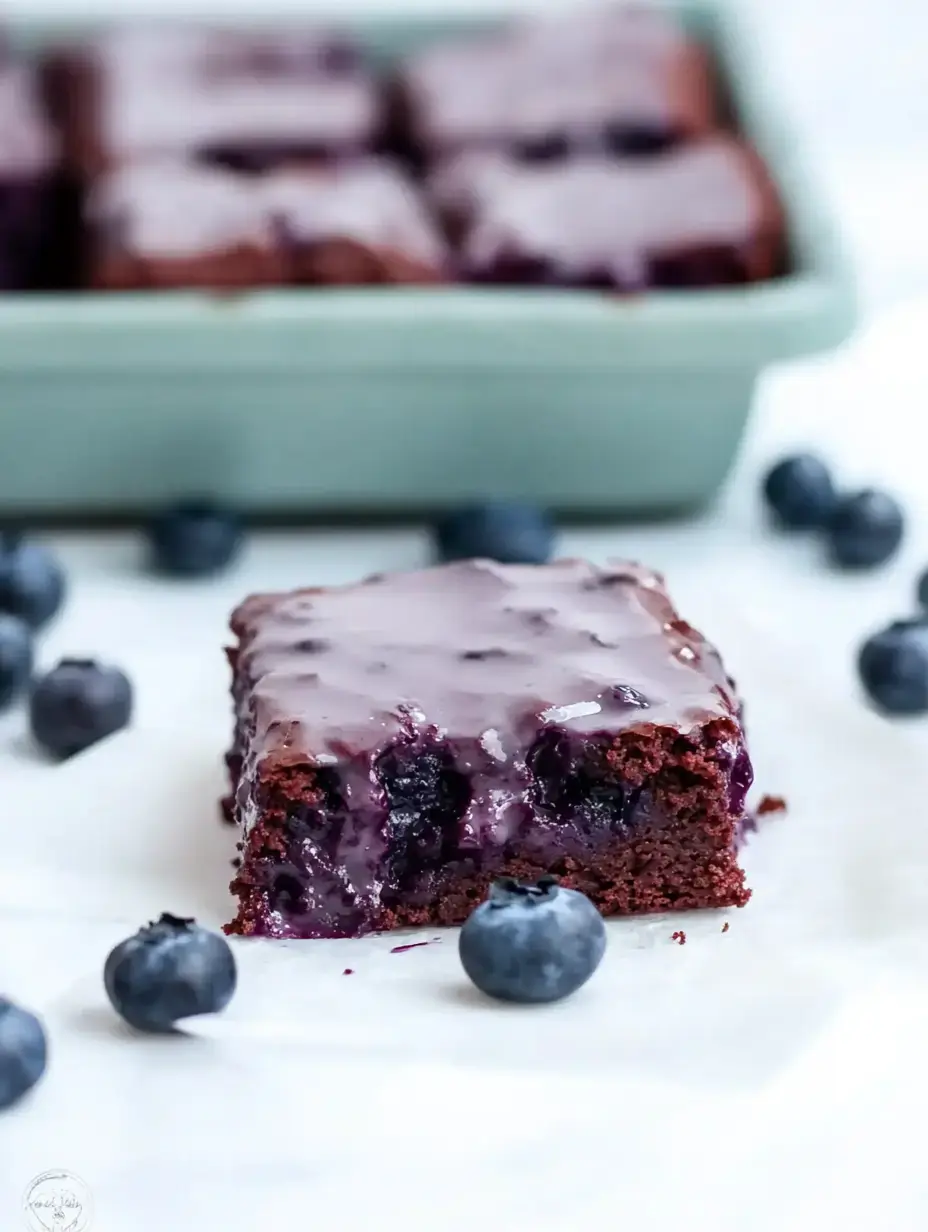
pixel 401 742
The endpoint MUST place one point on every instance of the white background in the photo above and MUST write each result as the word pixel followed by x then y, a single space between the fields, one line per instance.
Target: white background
pixel 769 1078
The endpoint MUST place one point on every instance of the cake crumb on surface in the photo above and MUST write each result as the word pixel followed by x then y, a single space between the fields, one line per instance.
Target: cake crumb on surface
pixel 725 927
pixel 679 936
pixel 771 804
pixel 348 971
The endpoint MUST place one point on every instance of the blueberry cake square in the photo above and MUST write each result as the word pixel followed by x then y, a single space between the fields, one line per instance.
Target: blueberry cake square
pixel 164 224
pixel 614 78
pixel 705 214
pixel 402 742
pixel 241 98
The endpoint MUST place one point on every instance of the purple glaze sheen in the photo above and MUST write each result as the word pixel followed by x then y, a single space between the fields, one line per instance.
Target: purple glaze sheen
pixel 742 777
pixel 432 757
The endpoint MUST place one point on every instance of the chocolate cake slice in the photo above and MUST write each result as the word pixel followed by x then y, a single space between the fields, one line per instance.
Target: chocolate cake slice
pixel 247 99
pixel 401 742
pixel 618 78
pixel 164 224
pixel 703 215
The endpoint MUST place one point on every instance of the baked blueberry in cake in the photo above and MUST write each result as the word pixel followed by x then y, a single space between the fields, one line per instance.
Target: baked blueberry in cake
pixel 402 742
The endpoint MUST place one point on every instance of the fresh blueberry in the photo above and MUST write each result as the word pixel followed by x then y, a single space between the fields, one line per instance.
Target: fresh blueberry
pixel 168 971
pixel 510 533
pixel 865 529
pixel 31 581
pixel 23 1052
pixel 532 943
pixel 194 539
pixel 15 658
pixel 79 703
pixel 800 492
pixel 893 666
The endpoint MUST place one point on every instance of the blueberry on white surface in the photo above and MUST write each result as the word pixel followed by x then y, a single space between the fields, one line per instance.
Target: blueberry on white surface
pixel 865 529
pixel 170 970
pixel 504 531
pixel 194 540
pixel 893 666
pixel 23 1052
pixel 800 492
pixel 15 658
pixel 532 943
pixel 77 704
pixel 32 583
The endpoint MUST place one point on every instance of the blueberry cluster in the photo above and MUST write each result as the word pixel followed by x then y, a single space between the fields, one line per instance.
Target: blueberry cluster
pixel 862 530
pixel 78 702
pixel 81 701
pixel 528 943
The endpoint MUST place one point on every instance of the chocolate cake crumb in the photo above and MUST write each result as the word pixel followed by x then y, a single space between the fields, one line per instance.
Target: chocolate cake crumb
pixel 679 936
pixel 725 927
pixel 348 971
pixel 771 804
pixel 413 945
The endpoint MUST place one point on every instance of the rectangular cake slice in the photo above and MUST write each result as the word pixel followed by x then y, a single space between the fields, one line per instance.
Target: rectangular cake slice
pixel 621 78
pixel 401 742
pixel 167 223
pixel 244 98
pixel 706 214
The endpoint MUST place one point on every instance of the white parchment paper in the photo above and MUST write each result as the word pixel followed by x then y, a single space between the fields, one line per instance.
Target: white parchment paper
pixel 770 1076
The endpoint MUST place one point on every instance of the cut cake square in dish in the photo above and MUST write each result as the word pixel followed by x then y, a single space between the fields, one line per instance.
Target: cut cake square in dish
pixel 705 214
pixel 173 224
pixel 249 99
pixel 621 78
pixel 401 742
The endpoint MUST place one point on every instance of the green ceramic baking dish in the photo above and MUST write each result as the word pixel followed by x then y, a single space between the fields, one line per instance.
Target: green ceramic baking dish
pixel 410 400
